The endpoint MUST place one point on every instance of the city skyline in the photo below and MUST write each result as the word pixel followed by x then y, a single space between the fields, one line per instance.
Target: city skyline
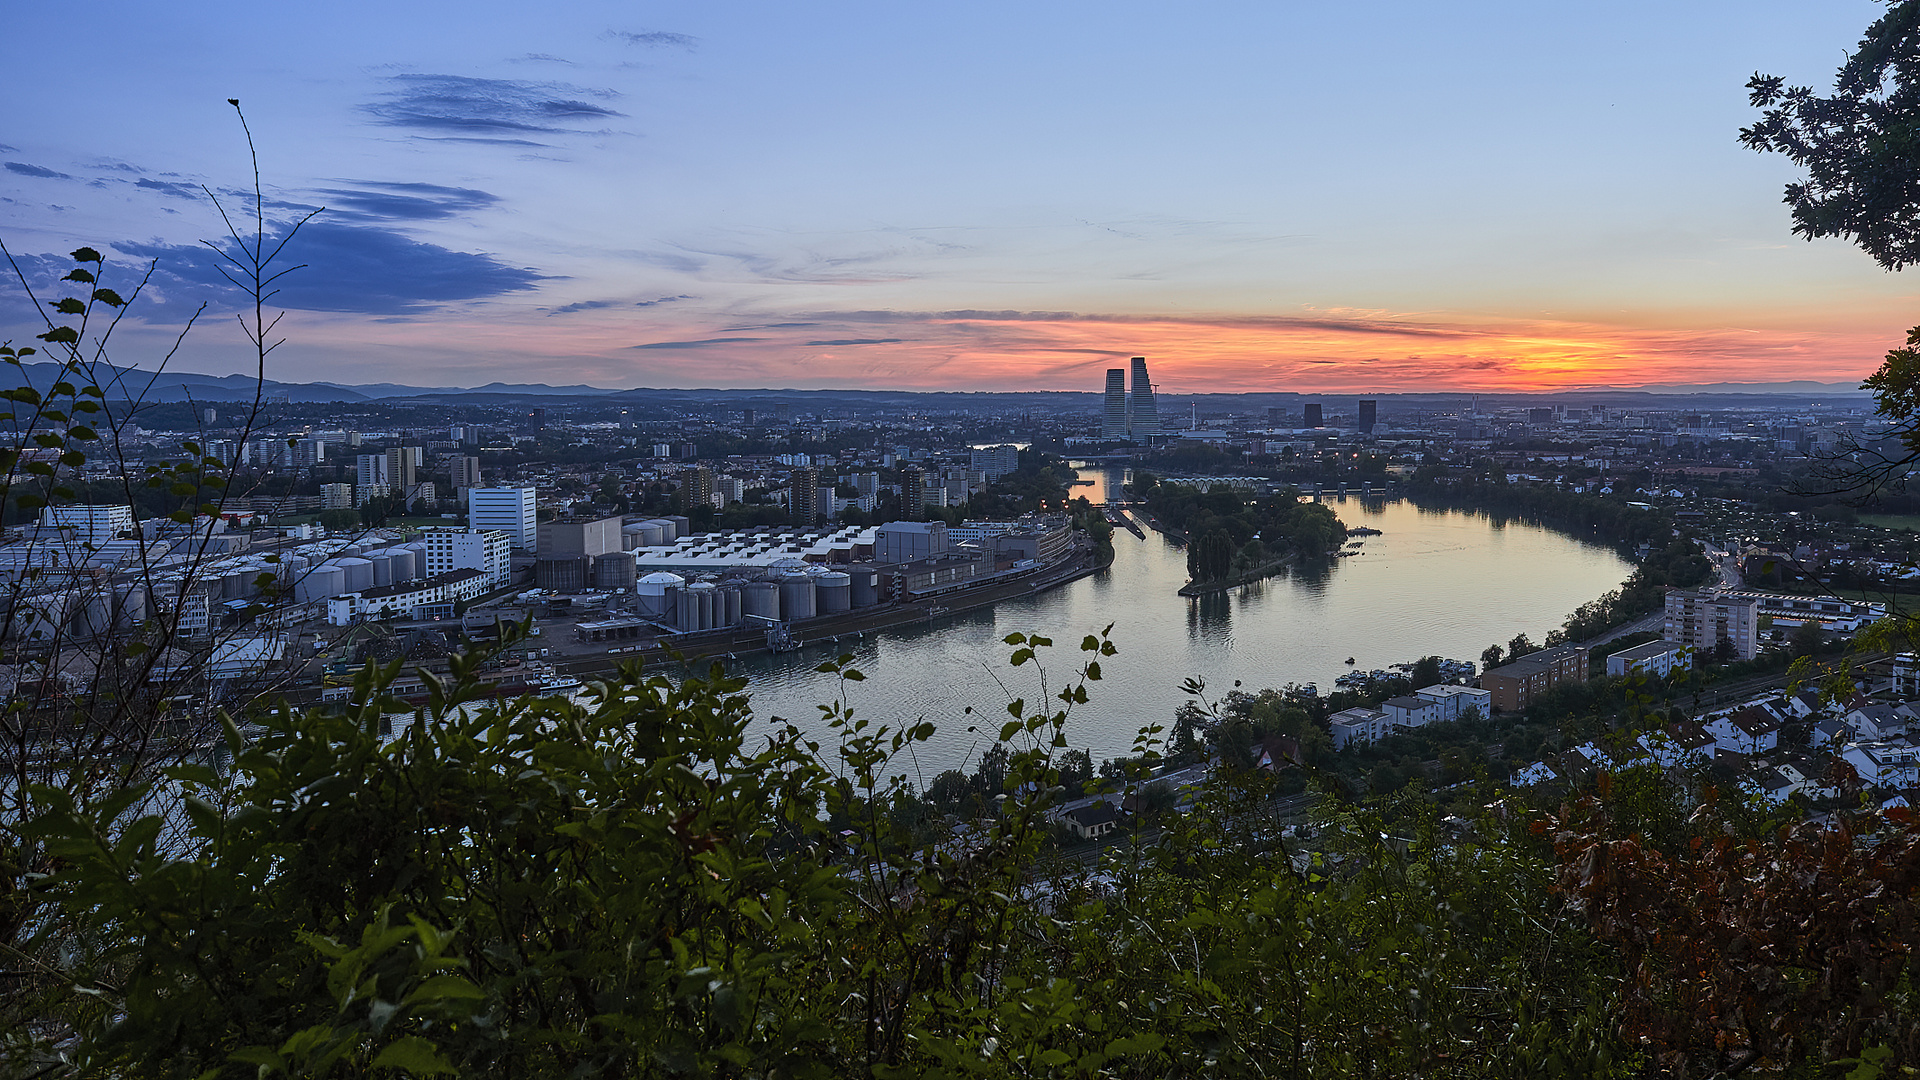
pixel 1498 198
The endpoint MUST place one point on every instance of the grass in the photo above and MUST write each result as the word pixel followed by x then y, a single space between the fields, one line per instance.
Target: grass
pixel 1893 521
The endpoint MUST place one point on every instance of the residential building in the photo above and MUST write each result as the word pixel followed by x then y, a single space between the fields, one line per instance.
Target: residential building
pixel 336 496
pixel 403 466
pixel 915 494
pixel 1748 730
pixel 728 490
pixel 1653 658
pixel 803 495
pixel 994 461
pixel 696 487
pixel 1703 620
pixel 1885 763
pixel 372 472
pixel 508 509
pixel 1369 416
pixel 466 473
pixel 1358 726
pixel 1096 819
pixel 490 552
pixel 1514 686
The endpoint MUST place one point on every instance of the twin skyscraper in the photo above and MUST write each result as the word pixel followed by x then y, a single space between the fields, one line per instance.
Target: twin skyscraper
pixel 1135 420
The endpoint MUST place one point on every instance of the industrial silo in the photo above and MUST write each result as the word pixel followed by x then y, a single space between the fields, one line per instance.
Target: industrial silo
pixel 653 592
pixel 833 591
pixel 403 564
pixel 865 587
pixel 614 570
pixel 320 582
pixel 796 596
pixel 130 606
pixel 726 605
pixel 382 566
pixel 700 596
pixel 682 526
pixel 236 580
pixel 668 534
pixel 359 574
pixel 760 598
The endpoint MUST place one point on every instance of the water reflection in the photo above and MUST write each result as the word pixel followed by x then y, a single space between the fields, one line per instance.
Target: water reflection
pixel 1436 582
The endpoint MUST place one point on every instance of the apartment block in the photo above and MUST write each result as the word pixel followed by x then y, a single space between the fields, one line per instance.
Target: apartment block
pixel 1514 686
pixel 1702 620
pixel 490 552
pixel 507 509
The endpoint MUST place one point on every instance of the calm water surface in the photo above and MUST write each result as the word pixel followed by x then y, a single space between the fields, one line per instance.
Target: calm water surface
pixel 1435 582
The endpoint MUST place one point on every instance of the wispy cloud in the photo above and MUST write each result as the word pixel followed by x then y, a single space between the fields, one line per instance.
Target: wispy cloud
pixel 859 341
pixel 597 305
pixel 406 201
pixel 703 343
pixel 41 171
pixel 655 39
pixel 467 107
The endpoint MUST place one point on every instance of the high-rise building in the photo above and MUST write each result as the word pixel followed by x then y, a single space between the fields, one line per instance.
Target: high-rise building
pixel 1312 418
pixel 336 496
pixel 508 509
pixel 373 472
pixel 308 453
pixel 1369 415
pixel 729 490
pixel 403 466
pixel 995 461
pixel 1113 422
pixel 466 473
pixel 803 496
pixel 696 488
pixel 490 552
pixel 1143 419
pixel 913 493
pixel 537 420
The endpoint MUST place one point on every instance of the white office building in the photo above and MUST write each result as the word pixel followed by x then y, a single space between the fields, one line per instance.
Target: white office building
pixel 92 524
pixel 507 509
pixel 490 552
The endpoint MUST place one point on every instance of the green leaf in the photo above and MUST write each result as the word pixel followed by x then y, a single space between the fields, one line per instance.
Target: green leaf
pixel 87 254
pixel 67 305
pixel 109 297
pixel 60 335
pixel 79 275
pixel 413 1054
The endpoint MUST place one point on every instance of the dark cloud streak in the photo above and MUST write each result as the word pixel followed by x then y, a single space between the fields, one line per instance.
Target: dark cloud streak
pixel 462 105
pixel 40 171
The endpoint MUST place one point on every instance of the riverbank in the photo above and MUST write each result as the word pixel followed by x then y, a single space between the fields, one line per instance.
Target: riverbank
pixel 733 644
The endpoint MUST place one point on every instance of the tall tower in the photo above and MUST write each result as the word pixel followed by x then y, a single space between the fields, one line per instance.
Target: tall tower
pixel 1312 415
pixel 1143 418
pixel 1369 414
pixel 803 499
pixel 1113 423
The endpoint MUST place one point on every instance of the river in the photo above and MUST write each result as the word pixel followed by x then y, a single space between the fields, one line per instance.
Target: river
pixel 1445 583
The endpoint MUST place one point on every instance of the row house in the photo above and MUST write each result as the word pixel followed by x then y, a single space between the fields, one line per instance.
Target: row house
pixel 1514 686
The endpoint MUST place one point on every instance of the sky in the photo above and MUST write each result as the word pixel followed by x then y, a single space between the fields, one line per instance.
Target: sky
pixel 1273 196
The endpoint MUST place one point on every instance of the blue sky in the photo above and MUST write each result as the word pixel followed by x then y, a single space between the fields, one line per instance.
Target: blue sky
pixel 1260 196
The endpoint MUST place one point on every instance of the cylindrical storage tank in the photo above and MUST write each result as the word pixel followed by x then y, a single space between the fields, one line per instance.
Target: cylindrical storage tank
pixel 700 598
pixel 687 611
pixel 614 570
pixel 796 596
pixel 652 591
pixel 833 592
pixel 130 606
pixel 668 533
pixel 236 582
pixel 382 566
pixel 866 587
pixel 359 574
pixel 327 579
pixel 682 526
pixel 730 595
pixel 651 534
pixel 352 551
pixel 760 598
pixel 414 563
